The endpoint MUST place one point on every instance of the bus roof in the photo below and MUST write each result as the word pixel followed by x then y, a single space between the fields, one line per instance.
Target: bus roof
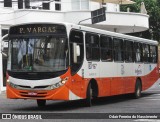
pixel 98 31
pixel 113 34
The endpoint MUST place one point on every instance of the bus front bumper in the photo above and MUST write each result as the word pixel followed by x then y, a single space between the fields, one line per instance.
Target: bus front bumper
pixel 61 93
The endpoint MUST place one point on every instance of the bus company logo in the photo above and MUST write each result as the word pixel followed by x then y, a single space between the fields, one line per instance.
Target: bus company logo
pixel 92 66
pixel 6 116
pixel 150 67
pixel 122 69
pixel 138 71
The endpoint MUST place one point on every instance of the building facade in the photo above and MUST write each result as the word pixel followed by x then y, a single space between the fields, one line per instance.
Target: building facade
pixel 73 11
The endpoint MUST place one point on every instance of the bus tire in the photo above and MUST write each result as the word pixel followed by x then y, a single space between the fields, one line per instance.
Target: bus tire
pixel 138 89
pixel 41 103
pixel 89 96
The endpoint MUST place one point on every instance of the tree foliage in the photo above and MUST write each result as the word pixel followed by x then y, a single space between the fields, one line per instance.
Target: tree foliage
pixel 153 10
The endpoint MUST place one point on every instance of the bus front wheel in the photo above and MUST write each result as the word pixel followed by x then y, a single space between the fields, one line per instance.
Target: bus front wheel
pixel 138 89
pixel 41 103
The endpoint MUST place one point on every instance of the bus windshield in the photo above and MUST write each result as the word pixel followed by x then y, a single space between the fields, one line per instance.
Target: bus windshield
pixel 40 54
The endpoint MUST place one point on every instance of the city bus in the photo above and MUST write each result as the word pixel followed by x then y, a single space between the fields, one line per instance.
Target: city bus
pixel 64 61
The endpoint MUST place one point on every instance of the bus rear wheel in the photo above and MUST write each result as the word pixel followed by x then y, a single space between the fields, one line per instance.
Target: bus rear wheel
pixel 89 96
pixel 138 89
pixel 41 103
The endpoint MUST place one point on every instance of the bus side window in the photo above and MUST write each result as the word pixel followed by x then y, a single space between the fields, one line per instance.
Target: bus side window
pixel 92 47
pixel 138 52
pixel 106 48
pixel 153 54
pixel 128 51
pixel 146 54
pixel 118 49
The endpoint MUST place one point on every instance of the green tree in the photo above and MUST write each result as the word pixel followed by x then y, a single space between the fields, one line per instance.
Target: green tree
pixel 158 2
pixel 153 10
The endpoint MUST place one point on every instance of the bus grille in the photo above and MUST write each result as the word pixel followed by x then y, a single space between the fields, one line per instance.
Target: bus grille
pixel 35 88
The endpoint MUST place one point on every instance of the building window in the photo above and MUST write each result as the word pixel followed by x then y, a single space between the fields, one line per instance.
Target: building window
pixel 92 47
pixel 27 4
pixel 75 4
pixel 46 6
pixel 84 4
pixel 80 4
pixel 57 7
pixel 20 4
pixel 7 3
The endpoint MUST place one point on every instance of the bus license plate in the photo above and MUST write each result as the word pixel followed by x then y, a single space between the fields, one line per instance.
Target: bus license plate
pixel 32 93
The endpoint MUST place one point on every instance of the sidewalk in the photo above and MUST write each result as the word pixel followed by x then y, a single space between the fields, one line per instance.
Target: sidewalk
pixel 155 86
pixel 3 95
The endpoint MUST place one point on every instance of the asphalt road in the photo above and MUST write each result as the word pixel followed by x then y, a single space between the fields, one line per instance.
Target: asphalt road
pixel 148 103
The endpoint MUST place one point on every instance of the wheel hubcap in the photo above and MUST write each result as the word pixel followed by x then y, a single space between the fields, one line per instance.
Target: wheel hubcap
pixel 91 93
pixel 138 92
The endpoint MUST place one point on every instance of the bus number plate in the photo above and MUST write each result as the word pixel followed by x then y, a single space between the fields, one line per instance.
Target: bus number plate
pixel 32 93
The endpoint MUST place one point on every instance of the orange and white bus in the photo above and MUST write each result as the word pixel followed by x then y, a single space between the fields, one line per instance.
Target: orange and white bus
pixel 63 61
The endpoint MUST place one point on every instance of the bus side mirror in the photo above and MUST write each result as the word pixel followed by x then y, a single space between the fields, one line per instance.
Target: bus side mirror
pixel 76 52
pixel 2 45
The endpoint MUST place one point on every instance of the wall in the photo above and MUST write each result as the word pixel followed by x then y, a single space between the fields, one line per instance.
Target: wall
pixel 1 68
pixel 24 16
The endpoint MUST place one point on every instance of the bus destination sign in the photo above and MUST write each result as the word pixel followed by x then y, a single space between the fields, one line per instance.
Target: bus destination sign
pixel 37 29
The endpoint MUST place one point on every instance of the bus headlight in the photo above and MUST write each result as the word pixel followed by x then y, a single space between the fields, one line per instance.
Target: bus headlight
pixel 13 85
pixel 61 83
pixel 8 81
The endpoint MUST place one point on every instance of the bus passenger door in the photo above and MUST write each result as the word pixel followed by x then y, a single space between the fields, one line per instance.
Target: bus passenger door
pixel 76 61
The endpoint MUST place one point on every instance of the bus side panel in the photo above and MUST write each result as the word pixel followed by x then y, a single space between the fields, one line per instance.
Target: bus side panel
pixel 154 75
pixel 107 72
pixel 149 79
pixel 129 84
pixel 88 71
pixel 76 84
pixel 117 84
pixel 129 80
pixel 146 75
pixel 106 86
